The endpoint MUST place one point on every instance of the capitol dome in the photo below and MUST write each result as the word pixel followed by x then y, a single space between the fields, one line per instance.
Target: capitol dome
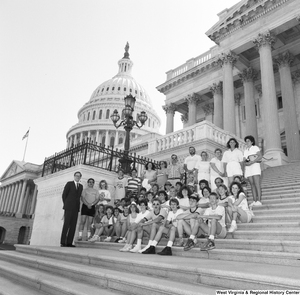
pixel 94 116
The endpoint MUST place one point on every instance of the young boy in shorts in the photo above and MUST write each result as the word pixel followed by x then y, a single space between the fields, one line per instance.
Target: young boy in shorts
pixel 215 227
pixel 169 228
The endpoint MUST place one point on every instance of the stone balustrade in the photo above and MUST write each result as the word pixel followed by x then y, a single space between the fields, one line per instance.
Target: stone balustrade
pixel 200 131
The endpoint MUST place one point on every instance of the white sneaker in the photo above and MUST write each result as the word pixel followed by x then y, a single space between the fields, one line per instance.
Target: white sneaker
pixel 128 248
pixel 136 249
pixel 108 239
pixel 93 239
pixel 122 241
pixel 124 248
pixel 252 204
pixel 258 203
pixel 145 248
pixel 232 228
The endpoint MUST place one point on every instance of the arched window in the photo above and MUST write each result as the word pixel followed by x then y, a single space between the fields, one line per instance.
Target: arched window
pixel 107 114
pixel 112 141
pixel 88 116
pixel 94 115
pixel 103 140
pixel 83 117
pixel 100 114
pixel 149 122
pixel 120 140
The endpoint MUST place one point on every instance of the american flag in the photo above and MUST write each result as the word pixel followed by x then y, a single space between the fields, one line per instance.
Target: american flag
pixel 26 135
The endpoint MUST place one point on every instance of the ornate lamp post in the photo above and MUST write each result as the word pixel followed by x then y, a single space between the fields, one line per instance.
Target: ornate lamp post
pixel 128 124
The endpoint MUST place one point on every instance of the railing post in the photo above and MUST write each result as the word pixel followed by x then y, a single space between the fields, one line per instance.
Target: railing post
pixel 44 167
pixel 85 153
pixel 53 165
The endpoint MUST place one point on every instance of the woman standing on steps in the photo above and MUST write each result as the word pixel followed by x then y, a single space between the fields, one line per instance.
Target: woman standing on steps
pixel 252 158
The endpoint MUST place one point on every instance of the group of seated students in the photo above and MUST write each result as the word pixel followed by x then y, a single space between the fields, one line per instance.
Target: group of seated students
pixel 173 212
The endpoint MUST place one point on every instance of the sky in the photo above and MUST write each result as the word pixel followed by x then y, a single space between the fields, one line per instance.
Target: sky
pixel 55 53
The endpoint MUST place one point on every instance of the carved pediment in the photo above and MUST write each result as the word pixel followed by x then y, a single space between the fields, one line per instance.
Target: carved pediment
pixel 14 168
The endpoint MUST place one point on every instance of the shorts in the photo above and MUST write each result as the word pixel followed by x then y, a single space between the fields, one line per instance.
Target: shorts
pixel 249 215
pixel 86 211
pixel 252 170
pixel 222 234
pixel 233 168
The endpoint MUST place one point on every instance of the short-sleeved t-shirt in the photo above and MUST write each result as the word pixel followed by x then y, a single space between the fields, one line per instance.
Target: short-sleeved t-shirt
pixel 253 150
pixel 107 220
pixel 172 216
pixel 151 215
pixel 133 183
pixel 141 216
pixel 191 161
pixel 218 211
pixel 232 156
pixel 120 185
pixel 185 202
pixel 106 194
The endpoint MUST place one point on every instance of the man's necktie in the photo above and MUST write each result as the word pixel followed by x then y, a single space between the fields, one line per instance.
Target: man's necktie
pixel 77 185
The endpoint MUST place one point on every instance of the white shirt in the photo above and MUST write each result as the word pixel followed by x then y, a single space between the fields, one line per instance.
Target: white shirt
pixel 141 216
pixel 232 156
pixel 253 150
pixel 219 166
pixel 220 210
pixel 172 216
pixel 191 161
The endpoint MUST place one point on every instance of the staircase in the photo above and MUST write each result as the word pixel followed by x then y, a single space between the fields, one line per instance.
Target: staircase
pixel 264 254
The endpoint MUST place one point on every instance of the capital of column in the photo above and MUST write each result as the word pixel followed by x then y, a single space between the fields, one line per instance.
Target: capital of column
pixel 227 58
pixel 264 39
pixel 216 88
pixel 208 109
pixel 170 108
pixel 296 77
pixel 185 118
pixel 237 99
pixel 192 98
pixel 284 59
pixel 248 75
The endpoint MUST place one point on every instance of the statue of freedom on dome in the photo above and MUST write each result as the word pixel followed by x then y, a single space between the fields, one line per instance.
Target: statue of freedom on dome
pixel 126 54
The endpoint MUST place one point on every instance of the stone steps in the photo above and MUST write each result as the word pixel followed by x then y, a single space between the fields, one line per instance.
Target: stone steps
pixel 279 200
pixel 283 211
pixel 58 274
pixel 195 269
pixel 283 205
pixel 270 225
pixel 265 218
pixel 291 235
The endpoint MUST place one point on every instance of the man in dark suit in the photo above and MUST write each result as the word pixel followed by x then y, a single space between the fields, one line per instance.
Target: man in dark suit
pixel 71 199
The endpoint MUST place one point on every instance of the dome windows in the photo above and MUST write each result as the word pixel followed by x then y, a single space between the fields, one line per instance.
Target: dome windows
pixel 88 117
pixel 107 88
pixel 94 115
pixel 102 90
pixel 119 88
pixel 124 88
pixel 130 90
pixel 100 115
pixel 107 114
pixel 113 89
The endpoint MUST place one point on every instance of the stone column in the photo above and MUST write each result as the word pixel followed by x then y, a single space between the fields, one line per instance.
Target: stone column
pixel 191 101
pixel 26 199
pixel 170 112
pixel 264 43
pixel 284 61
pixel 217 90
pixel 98 136
pixel 7 198
pixel 12 197
pixel 33 201
pixel 237 101
pixel 185 119
pixel 17 197
pixel 227 62
pixel 107 138
pixel 248 77
pixel 209 111
pixel 3 194
pixel 22 197
pixel 117 137
pixel 81 137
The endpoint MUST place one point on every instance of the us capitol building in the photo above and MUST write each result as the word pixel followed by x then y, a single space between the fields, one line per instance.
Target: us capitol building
pixel 248 83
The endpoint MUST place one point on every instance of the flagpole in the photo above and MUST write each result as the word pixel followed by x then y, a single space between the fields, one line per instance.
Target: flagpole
pixel 26 145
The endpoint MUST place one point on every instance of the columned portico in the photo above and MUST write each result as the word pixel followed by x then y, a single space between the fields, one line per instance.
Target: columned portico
pixel 21 201
pixel 264 43
pixel 248 77
pixel 170 112
pixel 227 62
pixel 191 101
pixel 217 89
pixel 209 111
pixel 107 138
pixel 284 61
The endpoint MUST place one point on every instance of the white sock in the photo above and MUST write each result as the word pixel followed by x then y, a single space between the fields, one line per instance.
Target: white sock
pixel 150 242
pixel 88 233
pixel 233 222
pixel 154 243
pixel 139 242
pixel 211 237
pixel 192 237
pixel 80 234
pixel 170 244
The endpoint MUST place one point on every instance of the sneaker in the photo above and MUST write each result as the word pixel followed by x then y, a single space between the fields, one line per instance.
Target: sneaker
pixel 144 249
pixel 150 250
pixel 108 239
pixel 135 249
pixel 167 251
pixel 93 239
pixel 189 245
pixel 209 245
pixel 232 228
pixel 117 240
pixel 124 248
pixel 129 247
pixel 252 204
pixel 258 203
pixel 179 243
pixel 123 240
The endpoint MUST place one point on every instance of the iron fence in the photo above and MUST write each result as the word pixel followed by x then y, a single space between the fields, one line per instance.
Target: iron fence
pixel 91 154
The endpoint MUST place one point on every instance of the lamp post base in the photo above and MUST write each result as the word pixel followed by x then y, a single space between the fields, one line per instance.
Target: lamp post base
pixel 125 163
